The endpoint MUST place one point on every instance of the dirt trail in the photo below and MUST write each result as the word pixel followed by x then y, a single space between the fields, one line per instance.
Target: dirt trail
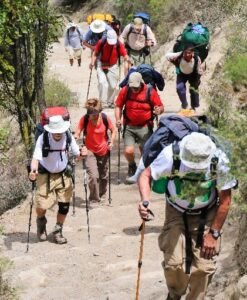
pixel 107 267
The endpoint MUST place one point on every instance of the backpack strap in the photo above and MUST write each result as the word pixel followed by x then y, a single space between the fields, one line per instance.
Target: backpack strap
pixel 102 44
pixel 105 122
pixel 176 158
pixel 86 118
pixel 46 144
pixel 132 28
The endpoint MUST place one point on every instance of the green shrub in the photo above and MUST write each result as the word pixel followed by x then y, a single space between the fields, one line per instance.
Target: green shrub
pixel 4 134
pixel 6 292
pixel 235 69
pixel 56 92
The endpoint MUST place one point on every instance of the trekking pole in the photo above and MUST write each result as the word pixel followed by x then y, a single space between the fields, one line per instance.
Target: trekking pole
pixel 142 229
pixel 90 75
pixel 118 173
pixel 109 179
pixel 86 198
pixel 73 180
pixel 30 214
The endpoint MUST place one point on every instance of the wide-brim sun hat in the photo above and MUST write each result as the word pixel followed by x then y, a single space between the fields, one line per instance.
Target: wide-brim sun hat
pixel 135 79
pixel 70 25
pixel 98 26
pixel 57 125
pixel 196 151
pixel 111 37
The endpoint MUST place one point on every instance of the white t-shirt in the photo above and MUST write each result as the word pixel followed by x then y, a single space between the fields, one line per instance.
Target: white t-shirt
pixel 162 167
pixel 56 161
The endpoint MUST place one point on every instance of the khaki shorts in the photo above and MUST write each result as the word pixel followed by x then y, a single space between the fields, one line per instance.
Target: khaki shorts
pixel 136 134
pixel 74 53
pixel 58 192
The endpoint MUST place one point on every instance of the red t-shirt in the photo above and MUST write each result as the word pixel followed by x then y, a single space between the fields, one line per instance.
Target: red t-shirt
pixel 96 140
pixel 138 112
pixel 109 53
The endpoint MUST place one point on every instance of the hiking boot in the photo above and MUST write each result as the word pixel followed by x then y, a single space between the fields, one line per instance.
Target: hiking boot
pixel 131 172
pixel 132 169
pixel 58 234
pixel 173 298
pixel 41 229
pixel 186 112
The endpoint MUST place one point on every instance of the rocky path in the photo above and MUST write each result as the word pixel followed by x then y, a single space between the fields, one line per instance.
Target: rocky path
pixel 105 268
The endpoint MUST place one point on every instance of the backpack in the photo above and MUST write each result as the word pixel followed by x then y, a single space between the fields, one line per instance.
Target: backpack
pixel 195 34
pixel 149 75
pixel 171 128
pixel 105 122
pixel 144 16
pixel 99 16
pixel 44 119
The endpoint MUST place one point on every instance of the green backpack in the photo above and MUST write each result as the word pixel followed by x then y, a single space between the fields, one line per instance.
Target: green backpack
pixel 194 34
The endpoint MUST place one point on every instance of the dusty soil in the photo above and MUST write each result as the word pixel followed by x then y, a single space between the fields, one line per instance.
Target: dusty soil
pixel 105 268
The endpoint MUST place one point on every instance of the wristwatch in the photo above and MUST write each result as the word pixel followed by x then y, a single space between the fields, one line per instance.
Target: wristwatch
pixel 215 233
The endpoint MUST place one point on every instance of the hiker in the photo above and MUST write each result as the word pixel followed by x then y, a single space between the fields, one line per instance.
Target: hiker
pixel 97 29
pixel 137 103
pixel 95 126
pixel 138 38
pixel 116 25
pixel 50 169
pixel 73 43
pixel 106 58
pixel 188 68
pixel 198 196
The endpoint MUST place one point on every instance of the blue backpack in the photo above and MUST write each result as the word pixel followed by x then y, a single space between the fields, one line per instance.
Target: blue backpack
pixel 144 16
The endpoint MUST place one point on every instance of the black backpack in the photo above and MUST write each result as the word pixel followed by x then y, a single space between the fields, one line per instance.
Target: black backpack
pixel 39 129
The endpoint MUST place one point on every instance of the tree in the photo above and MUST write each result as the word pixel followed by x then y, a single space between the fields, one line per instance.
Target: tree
pixel 27 27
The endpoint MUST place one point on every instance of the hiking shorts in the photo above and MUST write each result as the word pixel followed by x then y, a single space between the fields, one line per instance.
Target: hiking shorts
pixel 136 134
pixel 58 192
pixel 74 53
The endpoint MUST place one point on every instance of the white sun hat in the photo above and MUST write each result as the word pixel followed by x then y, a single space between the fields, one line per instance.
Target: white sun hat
pixel 57 125
pixel 196 151
pixel 98 26
pixel 71 24
pixel 111 37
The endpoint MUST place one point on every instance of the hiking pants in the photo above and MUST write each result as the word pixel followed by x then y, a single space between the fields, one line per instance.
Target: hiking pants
pixel 97 169
pixel 194 81
pixel 172 244
pixel 107 84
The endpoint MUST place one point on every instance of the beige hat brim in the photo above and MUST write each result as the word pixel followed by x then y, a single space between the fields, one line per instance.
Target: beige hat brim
pixel 61 129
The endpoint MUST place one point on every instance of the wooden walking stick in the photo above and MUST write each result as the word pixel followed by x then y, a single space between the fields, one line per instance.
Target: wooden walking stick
pixel 142 229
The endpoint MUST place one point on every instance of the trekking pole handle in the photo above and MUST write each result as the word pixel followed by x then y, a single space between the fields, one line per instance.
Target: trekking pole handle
pixel 145 203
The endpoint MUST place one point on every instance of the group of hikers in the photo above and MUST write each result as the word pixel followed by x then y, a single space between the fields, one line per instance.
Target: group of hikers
pixel 178 159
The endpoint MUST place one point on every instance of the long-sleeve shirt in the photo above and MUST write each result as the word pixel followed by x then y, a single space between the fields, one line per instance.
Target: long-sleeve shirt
pixel 73 38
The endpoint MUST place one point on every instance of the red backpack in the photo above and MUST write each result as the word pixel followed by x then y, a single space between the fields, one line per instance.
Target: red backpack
pixel 44 119
pixel 54 111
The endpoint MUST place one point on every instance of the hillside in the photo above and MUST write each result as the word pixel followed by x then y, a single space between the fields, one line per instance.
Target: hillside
pixel 107 267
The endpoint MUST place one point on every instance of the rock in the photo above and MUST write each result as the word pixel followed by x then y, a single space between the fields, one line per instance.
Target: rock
pixel 32 278
pixel 242 287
